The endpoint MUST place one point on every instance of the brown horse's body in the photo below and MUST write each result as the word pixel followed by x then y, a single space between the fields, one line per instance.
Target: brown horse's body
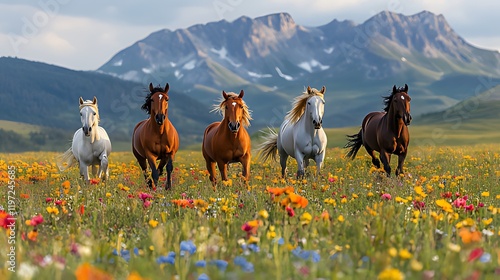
pixel 228 141
pixel 156 139
pixel 385 132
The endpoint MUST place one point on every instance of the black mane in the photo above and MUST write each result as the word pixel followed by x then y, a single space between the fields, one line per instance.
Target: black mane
pixel 147 100
pixel 388 99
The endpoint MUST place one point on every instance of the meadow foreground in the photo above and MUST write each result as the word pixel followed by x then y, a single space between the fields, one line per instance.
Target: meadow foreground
pixel 437 221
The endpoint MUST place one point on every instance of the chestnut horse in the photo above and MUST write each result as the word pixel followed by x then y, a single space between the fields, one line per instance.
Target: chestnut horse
pixel 228 141
pixel 385 132
pixel 156 138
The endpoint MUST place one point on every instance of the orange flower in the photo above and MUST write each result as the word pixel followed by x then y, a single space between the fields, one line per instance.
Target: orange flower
pixel 25 195
pixel 32 235
pixel 134 276
pixel 469 236
pixel 183 203
pixel 297 200
pixel 87 272
pixel 66 184
pixel 279 191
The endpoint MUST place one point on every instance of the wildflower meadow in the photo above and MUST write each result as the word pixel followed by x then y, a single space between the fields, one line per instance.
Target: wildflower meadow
pixel 439 220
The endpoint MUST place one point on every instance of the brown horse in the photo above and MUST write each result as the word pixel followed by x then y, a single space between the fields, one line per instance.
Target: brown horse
pixel 156 138
pixel 228 141
pixel 385 132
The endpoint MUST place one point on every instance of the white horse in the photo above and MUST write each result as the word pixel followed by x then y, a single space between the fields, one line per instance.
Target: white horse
pixel 91 145
pixel 301 135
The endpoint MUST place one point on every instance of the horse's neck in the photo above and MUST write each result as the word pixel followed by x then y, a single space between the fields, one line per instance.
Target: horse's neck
pixel 394 124
pixel 306 123
pixel 159 129
pixel 94 135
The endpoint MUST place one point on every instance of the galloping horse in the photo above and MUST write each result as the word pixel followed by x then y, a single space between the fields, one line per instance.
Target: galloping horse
pixel 90 146
pixel 301 135
pixel 156 138
pixel 385 132
pixel 228 141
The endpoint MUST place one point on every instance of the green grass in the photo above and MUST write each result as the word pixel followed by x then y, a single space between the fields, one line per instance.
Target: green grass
pixel 23 129
pixel 357 224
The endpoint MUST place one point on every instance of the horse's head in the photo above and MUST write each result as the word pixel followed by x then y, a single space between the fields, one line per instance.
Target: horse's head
pixel 89 115
pixel 234 110
pixel 401 104
pixel 316 106
pixel 158 103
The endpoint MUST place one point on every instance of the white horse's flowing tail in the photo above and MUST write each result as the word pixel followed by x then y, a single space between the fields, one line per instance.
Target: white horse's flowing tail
pixel 269 148
pixel 66 160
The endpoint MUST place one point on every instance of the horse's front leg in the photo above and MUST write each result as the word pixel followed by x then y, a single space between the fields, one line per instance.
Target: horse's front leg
pixel 319 162
pixel 84 172
pixel 170 168
pixel 401 159
pixel 223 169
pixel 385 157
pixel 245 162
pixel 154 172
pixel 103 167
pixel 299 156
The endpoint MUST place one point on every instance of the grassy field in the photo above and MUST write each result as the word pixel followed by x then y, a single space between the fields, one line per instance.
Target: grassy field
pixel 438 221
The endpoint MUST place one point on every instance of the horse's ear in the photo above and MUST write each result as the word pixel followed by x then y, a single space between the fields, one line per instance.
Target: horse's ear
pixel 406 88
pixel 394 89
pixel 309 90
pixel 167 87
pixel 323 89
pixel 224 94
pixel 80 100
pixel 94 101
pixel 151 87
pixel 241 94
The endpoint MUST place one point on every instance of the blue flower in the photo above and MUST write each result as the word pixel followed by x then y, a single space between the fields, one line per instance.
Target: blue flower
pixel 220 264
pixel 201 263
pixel 244 264
pixel 169 258
pixel 203 276
pixel 125 254
pixel 254 247
pixel 188 246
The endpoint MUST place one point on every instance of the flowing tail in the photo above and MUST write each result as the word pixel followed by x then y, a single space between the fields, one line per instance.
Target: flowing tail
pixel 355 142
pixel 66 160
pixel 269 148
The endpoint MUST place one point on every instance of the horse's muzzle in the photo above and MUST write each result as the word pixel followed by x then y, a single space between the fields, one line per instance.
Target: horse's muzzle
pixel 407 119
pixel 87 130
pixel 159 118
pixel 234 126
pixel 317 125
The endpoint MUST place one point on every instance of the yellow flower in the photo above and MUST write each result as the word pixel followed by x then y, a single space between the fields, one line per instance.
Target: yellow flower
pixel 341 219
pixel 305 218
pixel 253 239
pixel 391 274
pixel 52 210
pixel 454 247
pixel 416 265
pixel 445 205
pixel 404 254
pixel 393 252
pixel 485 194
pixel 153 223
pixel 369 194
pixel 108 194
pixel 264 214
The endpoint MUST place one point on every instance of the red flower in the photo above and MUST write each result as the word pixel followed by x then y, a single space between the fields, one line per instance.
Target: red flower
pixel 6 220
pixel 48 199
pixel 246 227
pixel 420 205
pixel 475 254
pixel 94 181
pixel 386 196
pixel 290 211
pixel 469 207
pixel 446 195
pixel 58 202
pixel 145 196
pixel 81 210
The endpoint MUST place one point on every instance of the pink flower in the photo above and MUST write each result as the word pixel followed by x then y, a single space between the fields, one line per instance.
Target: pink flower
pixel 36 220
pixel 48 199
pixel 469 207
pixel 144 196
pixel 246 227
pixel 146 203
pixel 460 202
pixel 386 196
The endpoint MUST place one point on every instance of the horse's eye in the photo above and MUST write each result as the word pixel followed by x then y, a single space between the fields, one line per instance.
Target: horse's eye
pixel 308 103
pixel 80 114
pixel 94 113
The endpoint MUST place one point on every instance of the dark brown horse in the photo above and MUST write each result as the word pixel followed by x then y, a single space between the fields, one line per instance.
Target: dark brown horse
pixel 228 141
pixel 156 138
pixel 385 132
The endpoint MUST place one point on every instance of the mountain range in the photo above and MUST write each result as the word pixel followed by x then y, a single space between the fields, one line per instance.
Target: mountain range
pixel 273 59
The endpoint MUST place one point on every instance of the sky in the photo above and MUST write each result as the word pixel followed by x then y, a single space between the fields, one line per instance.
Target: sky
pixel 83 35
